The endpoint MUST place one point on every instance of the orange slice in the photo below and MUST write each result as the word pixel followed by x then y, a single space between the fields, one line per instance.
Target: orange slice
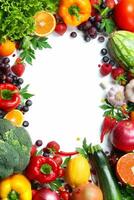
pixel 125 169
pixel 16 117
pixel 44 23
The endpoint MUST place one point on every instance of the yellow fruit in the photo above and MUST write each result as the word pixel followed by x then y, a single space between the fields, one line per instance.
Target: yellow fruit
pixel 77 171
pixel 16 117
pixel 44 23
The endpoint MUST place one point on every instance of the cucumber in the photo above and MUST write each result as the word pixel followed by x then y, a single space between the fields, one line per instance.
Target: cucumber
pixel 106 178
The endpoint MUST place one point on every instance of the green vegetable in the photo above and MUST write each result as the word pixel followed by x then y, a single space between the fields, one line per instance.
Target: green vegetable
pixel 29 44
pixel 9 159
pixel 15 146
pixel 121 48
pixel 127 192
pixel 16 17
pixel 107 180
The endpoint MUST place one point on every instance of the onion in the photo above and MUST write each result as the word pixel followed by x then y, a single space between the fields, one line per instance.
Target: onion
pixel 87 192
pixel 122 136
pixel 46 194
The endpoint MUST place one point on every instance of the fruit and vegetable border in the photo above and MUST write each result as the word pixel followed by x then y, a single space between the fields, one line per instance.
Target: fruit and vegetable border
pixel 43 172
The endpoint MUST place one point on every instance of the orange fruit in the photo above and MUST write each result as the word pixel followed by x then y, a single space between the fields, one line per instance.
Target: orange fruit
pixel 44 23
pixel 16 117
pixel 7 48
pixel 125 169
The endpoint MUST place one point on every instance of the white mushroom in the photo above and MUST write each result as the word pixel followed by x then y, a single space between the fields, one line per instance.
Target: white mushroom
pixel 129 91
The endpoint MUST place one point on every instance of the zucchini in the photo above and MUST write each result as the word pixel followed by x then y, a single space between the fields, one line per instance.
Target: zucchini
pixel 106 178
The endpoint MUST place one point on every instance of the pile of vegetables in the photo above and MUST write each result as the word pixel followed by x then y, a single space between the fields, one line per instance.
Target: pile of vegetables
pixel 88 173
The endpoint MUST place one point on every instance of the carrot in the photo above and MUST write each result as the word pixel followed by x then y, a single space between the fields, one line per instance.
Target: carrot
pixel 125 169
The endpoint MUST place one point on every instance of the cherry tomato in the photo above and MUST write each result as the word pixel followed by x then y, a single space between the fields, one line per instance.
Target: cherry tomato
pixel 61 28
pixel 64 195
pixel 58 160
pixel 124 15
pixel 54 146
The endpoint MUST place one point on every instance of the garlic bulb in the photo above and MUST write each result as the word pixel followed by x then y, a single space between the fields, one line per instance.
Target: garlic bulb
pixel 116 96
pixel 129 91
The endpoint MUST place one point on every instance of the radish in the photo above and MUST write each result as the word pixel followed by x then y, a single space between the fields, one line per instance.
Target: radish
pixel 122 136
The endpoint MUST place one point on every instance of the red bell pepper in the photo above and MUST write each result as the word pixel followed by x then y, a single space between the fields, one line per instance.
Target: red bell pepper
pixel 42 169
pixel 9 97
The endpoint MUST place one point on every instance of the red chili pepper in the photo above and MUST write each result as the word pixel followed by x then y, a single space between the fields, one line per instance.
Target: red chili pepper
pixel 107 126
pixel 9 97
pixel 42 169
pixel 62 153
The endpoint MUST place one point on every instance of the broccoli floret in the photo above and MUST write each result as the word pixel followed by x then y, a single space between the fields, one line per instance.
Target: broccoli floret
pixel 5 125
pixel 9 158
pixel 20 140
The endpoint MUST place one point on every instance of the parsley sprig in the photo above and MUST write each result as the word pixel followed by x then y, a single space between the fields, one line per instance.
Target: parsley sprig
pixel 107 22
pixel 114 112
pixel 31 43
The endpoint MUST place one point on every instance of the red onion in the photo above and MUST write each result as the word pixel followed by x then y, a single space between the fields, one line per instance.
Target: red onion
pixel 122 136
pixel 46 194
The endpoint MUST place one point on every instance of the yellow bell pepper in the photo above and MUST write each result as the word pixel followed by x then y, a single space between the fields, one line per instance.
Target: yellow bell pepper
pixel 15 187
pixel 74 12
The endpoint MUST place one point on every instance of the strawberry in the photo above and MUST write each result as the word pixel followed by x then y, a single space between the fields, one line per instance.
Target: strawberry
pixel 18 69
pixel 110 3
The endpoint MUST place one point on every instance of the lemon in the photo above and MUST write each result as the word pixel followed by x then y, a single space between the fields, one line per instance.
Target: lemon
pixel 77 171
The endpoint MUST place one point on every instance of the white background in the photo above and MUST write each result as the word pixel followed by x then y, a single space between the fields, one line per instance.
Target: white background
pixel 65 81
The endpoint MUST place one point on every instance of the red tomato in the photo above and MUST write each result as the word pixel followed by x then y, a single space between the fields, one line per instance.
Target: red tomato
pixel 124 15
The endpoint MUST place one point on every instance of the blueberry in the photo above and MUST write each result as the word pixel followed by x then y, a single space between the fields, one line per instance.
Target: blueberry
pixel 87 38
pixel 101 39
pixel 25 108
pixel 20 81
pixel 105 59
pixel 25 123
pixel 103 51
pixel 73 34
pixel 112 62
pixel 28 102
pixel 39 143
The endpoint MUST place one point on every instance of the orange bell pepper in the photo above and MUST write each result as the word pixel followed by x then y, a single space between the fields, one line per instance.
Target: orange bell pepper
pixel 15 187
pixel 74 12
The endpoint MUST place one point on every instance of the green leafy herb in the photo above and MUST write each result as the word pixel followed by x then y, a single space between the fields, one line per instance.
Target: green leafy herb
pixel 84 149
pixel 108 25
pixel 25 94
pixel 127 193
pixel 55 185
pixel 111 111
pixel 29 44
pixel 130 106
